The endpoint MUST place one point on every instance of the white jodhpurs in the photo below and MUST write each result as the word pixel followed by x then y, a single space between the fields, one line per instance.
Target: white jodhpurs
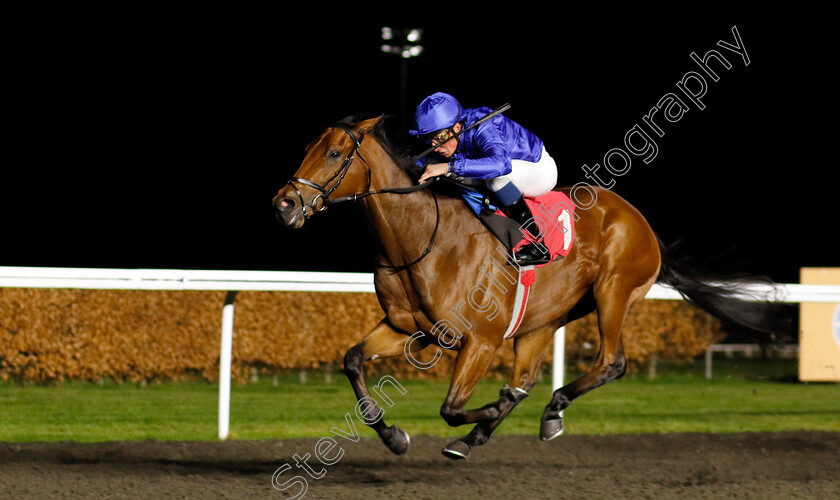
pixel 530 179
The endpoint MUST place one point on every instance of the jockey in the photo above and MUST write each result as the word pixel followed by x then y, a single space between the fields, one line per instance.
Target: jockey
pixel 512 160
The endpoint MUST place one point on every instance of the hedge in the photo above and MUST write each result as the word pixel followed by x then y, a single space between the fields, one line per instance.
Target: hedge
pixel 51 335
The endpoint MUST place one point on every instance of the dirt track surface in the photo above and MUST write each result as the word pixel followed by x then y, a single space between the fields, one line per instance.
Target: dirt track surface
pixel 780 465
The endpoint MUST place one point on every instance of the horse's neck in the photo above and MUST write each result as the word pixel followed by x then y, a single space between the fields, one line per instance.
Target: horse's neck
pixel 403 224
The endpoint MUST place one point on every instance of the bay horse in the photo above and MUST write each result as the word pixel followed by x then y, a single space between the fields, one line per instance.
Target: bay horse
pixel 431 247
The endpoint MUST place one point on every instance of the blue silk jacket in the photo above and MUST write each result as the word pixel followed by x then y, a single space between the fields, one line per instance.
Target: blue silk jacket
pixel 485 151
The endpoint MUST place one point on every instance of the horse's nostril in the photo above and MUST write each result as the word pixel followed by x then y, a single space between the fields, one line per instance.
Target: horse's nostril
pixel 284 204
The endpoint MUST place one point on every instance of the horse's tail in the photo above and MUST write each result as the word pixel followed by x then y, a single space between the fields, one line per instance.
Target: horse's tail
pixel 724 297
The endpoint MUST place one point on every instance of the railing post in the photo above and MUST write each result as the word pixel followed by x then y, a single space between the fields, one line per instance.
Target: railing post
pixel 225 352
pixel 709 363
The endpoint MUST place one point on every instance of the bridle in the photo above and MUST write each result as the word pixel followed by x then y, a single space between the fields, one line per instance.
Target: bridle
pixel 325 191
pixel 338 176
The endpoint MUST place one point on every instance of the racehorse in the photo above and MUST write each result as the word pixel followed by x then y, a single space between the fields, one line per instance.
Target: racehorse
pixel 431 249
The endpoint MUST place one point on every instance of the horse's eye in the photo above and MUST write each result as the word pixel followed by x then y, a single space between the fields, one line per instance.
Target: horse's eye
pixel 334 154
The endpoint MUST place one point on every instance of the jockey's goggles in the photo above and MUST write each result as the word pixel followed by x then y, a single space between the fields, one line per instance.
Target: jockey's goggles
pixel 438 138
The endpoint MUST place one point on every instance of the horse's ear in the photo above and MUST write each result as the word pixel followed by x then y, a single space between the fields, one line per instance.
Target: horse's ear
pixel 365 126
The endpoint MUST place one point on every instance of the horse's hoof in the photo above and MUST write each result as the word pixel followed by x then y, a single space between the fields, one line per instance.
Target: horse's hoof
pixel 457 450
pixel 399 441
pixel 550 429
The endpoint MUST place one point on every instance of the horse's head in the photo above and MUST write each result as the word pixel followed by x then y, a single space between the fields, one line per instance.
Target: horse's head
pixel 332 170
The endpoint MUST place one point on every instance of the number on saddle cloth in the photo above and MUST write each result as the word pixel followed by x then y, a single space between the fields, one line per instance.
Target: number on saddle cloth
pixel 553 212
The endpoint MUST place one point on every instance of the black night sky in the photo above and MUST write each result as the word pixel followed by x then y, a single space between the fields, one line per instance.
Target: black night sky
pixel 143 143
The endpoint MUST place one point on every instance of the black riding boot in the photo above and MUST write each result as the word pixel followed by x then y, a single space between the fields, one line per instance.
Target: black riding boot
pixel 528 254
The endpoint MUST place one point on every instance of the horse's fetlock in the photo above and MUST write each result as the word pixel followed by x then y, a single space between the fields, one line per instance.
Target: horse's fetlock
pixel 452 416
pixel 514 394
pixel 559 402
pixel 618 367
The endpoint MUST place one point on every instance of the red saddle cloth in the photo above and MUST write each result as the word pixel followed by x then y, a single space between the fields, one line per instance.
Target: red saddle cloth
pixel 554 213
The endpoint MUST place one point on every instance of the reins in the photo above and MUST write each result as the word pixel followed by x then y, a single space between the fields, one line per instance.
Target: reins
pixel 325 192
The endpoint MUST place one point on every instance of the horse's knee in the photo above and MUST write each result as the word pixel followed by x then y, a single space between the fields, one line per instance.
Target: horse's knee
pixel 353 359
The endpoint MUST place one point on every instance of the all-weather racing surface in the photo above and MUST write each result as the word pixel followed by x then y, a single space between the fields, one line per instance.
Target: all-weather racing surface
pixel 748 465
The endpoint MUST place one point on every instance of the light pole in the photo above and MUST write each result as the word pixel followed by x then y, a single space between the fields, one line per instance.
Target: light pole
pixel 404 43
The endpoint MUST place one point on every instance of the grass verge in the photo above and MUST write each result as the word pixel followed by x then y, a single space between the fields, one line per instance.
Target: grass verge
pixel 743 396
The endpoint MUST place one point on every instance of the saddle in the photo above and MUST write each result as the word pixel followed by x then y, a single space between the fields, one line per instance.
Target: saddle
pixel 553 212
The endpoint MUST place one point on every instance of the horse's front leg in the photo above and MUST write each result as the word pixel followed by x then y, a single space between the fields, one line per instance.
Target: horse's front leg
pixel 529 350
pixel 382 342
pixel 471 363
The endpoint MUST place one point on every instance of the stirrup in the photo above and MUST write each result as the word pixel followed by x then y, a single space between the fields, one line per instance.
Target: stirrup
pixel 530 254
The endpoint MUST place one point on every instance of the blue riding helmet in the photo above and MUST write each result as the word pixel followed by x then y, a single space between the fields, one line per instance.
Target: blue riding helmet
pixel 436 112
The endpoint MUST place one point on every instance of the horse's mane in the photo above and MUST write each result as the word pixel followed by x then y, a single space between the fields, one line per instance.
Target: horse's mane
pixel 400 147
pixel 395 143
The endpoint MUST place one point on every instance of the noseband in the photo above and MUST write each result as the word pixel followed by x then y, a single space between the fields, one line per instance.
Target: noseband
pixel 338 176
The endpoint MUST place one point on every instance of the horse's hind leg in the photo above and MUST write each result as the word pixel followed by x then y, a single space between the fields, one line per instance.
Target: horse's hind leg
pixel 613 300
pixel 382 342
pixel 529 350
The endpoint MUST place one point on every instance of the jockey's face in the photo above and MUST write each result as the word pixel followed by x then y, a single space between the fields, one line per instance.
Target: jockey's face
pixel 446 144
